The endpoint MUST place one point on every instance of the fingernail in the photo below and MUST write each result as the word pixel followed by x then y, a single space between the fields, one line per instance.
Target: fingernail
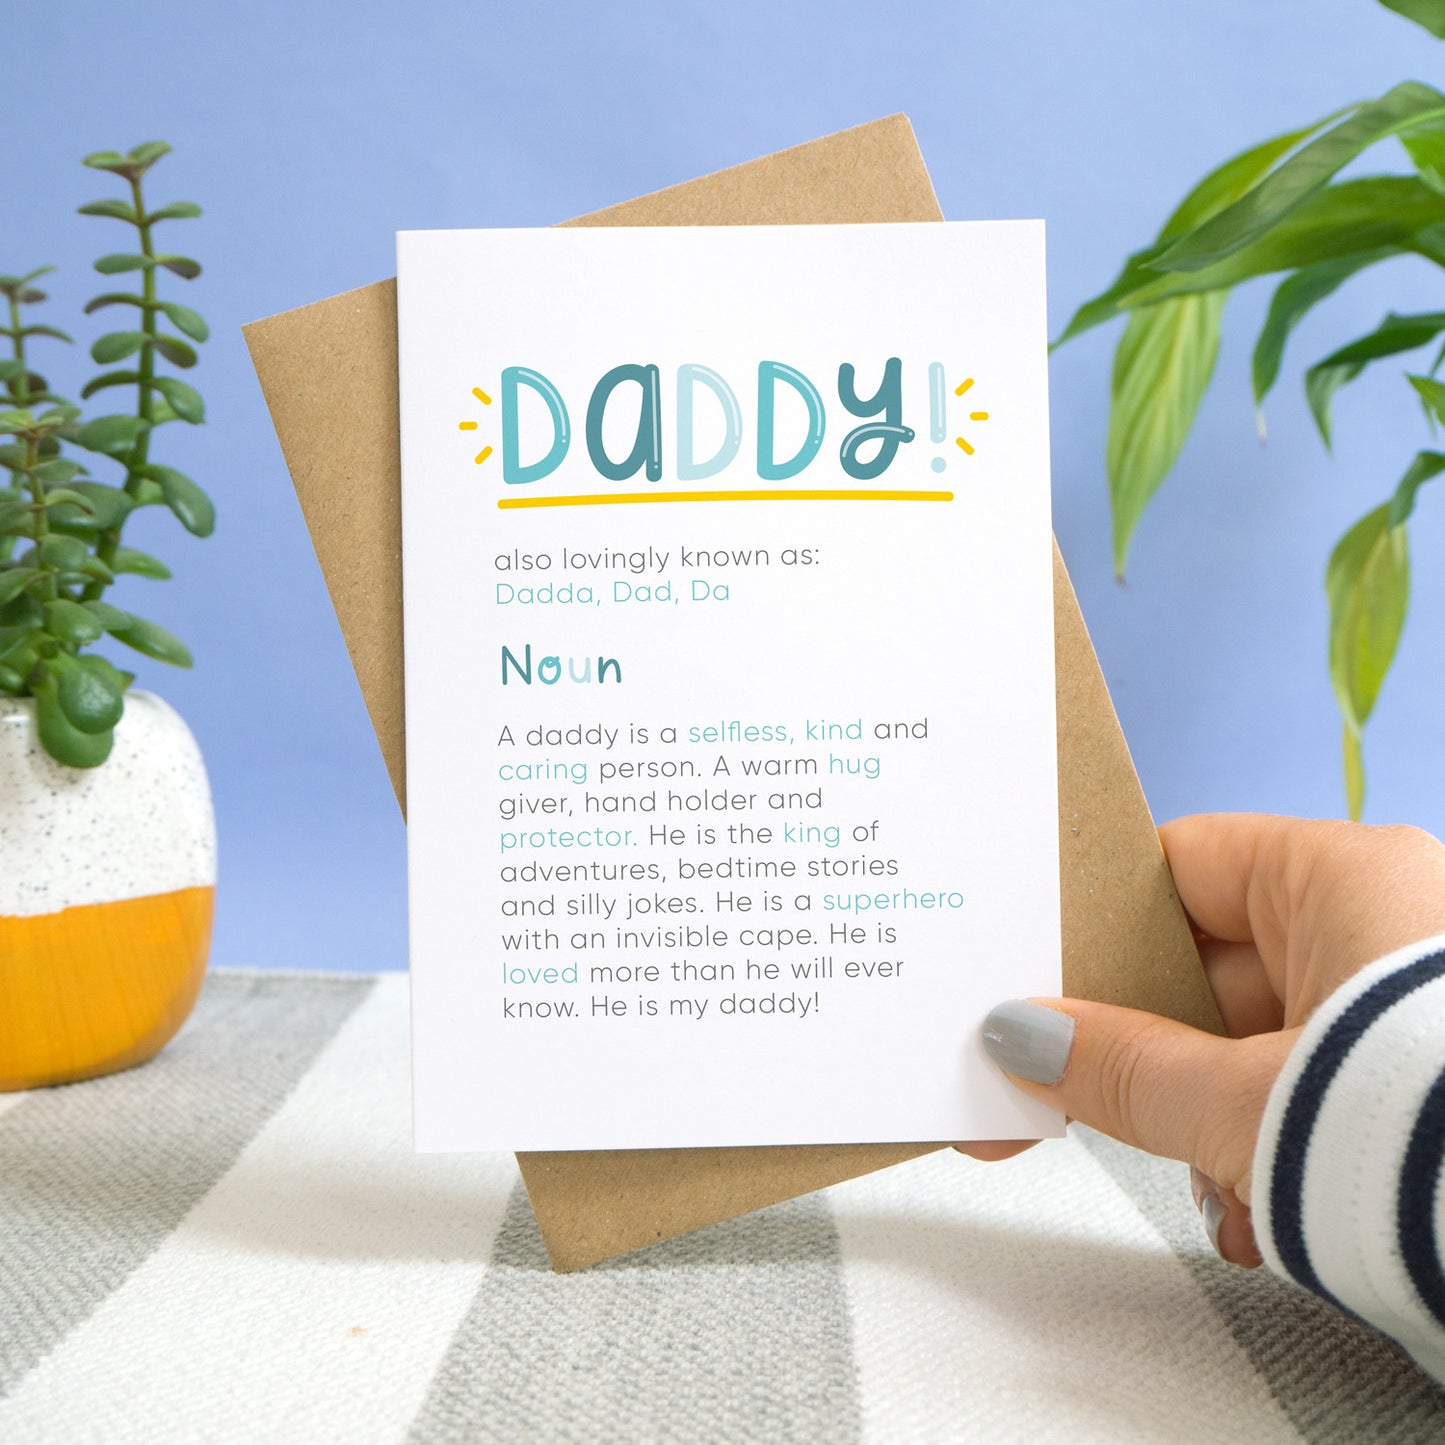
pixel 1029 1040
pixel 1213 1212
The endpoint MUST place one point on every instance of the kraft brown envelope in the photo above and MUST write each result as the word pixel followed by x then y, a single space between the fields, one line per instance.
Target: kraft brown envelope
pixel 329 373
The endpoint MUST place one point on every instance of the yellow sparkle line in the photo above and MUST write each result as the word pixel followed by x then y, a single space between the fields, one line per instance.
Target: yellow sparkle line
pixel 466 426
pixel 978 416
pixel 962 387
pixel 481 396
pixel 967 450
pixel 482 455
pixel 614 499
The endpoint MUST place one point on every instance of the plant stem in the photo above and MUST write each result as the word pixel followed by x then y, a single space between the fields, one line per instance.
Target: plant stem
pixel 40 526
pixel 106 547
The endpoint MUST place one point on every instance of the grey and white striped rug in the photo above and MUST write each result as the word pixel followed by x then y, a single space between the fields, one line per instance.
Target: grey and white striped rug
pixel 235 1243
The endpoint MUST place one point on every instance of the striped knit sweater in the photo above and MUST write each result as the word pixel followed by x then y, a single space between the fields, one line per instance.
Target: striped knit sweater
pixel 1348 1192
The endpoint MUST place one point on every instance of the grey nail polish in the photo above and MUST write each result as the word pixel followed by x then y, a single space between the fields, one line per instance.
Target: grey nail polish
pixel 1029 1040
pixel 1213 1212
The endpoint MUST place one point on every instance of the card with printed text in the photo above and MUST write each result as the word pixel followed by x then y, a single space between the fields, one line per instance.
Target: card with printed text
pixel 729 675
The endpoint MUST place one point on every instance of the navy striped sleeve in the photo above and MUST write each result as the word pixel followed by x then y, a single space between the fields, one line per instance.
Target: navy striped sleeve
pixel 1348 1197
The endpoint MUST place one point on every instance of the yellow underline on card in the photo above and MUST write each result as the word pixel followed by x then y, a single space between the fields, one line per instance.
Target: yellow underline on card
pixel 624 499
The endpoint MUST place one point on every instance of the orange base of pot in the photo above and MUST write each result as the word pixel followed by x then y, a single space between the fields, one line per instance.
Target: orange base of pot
pixel 98 988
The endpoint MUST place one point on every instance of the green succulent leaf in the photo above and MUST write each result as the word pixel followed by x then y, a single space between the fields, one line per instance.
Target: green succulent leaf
pixel 1393 335
pixel 109 378
pixel 1223 185
pixel 56 470
pixel 67 554
pixel 22 611
pixel 153 640
pixel 1293 298
pixel 91 694
pixel 148 153
pixel 1429 13
pixel 1432 394
pixel 10 369
pixel 65 742
pixel 58 498
pixel 1297 179
pixel 52 331
pixel 13 581
pixel 117 345
pixel 1161 370
pixel 191 505
pixel 109 506
pixel 115 209
pixel 175 211
pixel 184 399
pixel 109 617
pixel 119 262
pixel 14 517
pixel 185 320
pixel 176 351
pixel 141 564
pixel 114 298
pixel 110 435
pixel 70 622
pixel 182 266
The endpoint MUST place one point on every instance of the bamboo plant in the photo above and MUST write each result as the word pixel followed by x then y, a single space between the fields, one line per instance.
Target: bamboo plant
pixel 1280 207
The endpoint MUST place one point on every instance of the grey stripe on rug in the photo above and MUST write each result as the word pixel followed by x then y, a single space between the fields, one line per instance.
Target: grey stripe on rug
pixel 1337 1380
pixel 738 1332
pixel 94 1176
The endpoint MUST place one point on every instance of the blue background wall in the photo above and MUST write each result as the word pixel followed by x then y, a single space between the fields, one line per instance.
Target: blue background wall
pixel 312 130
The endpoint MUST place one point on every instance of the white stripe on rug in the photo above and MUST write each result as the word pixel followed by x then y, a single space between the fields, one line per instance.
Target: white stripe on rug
pixel 1030 1300
pixel 310 1295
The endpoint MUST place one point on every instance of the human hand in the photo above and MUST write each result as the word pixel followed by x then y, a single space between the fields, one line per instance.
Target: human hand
pixel 1284 911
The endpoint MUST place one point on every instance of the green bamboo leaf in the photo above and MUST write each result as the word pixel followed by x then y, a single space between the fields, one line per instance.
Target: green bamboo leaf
pixel 141 564
pixel 185 320
pixel 1224 184
pixel 117 345
pixel 70 622
pixel 1432 395
pixel 67 554
pixel 1429 13
pixel 89 695
pixel 176 351
pixel 65 742
pixel 116 210
pixel 13 581
pixel 1426 149
pixel 1308 171
pixel 1346 219
pixel 184 400
pixel 109 617
pixel 1425 466
pixel 154 641
pixel 191 505
pixel 175 211
pixel 109 378
pixel 1393 335
pixel 182 266
pixel 1161 371
pixel 1294 297
pixel 121 261
pixel 111 435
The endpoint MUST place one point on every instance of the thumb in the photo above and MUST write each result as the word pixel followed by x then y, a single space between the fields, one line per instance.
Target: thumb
pixel 1147 1081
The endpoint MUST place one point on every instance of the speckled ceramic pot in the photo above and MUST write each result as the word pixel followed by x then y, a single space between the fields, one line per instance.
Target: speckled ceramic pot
pixel 107 889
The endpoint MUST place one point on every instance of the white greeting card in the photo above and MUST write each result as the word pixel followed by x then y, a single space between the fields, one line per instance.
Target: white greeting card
pixel 729 675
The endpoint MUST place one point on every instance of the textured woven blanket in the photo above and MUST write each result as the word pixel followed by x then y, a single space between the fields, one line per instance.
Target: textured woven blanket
pixel 235 1243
